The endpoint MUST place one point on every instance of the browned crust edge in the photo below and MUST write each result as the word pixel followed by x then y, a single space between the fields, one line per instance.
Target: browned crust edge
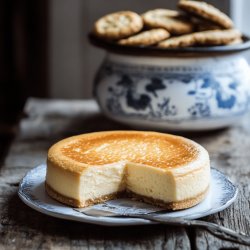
pixel 168 206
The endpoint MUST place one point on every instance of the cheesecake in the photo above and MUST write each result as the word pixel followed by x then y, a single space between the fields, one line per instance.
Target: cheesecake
pixel 161 169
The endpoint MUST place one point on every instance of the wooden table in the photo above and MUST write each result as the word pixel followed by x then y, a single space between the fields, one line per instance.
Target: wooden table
pixel 48 121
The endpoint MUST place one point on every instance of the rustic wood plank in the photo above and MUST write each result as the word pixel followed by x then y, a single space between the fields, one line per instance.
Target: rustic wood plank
pixel 48 121
pixel 228 150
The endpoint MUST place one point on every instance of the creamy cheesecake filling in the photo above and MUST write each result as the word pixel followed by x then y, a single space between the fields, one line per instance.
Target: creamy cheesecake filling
pixel 63 181
pixel 151 182
pixel 98 181
pixel 190 185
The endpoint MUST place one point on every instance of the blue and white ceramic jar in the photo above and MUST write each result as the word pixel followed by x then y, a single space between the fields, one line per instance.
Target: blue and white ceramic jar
pixel 196 92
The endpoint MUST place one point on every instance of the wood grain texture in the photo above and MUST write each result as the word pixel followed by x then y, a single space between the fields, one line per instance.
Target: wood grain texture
pixel 48 121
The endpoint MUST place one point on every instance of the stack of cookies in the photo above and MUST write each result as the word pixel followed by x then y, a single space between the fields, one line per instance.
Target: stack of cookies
pixel 196 24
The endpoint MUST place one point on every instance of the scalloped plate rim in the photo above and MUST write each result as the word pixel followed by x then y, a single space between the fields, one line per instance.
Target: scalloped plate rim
pixel 112 221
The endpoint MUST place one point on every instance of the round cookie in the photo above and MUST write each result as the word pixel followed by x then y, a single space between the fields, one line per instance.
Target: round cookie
pixel 206 11
pixel 146 38
pixel 178 42
pixel 216 37
pixel 170 20
pixel 118 25
pixel 205 38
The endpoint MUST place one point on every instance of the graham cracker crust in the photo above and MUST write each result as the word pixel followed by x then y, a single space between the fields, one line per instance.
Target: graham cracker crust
pixel 168 206
pixel 75 203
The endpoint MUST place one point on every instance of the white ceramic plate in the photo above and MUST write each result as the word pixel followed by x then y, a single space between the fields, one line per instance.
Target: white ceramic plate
pixel 221 194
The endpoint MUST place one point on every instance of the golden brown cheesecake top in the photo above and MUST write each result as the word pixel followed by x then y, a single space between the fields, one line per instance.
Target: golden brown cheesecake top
pixel 150 148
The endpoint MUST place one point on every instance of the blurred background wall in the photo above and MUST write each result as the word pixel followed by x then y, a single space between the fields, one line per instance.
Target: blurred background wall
pixel 24 63
pixel 24 60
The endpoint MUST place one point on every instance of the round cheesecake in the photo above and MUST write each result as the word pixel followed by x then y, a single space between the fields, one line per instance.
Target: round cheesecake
pixel 162 169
